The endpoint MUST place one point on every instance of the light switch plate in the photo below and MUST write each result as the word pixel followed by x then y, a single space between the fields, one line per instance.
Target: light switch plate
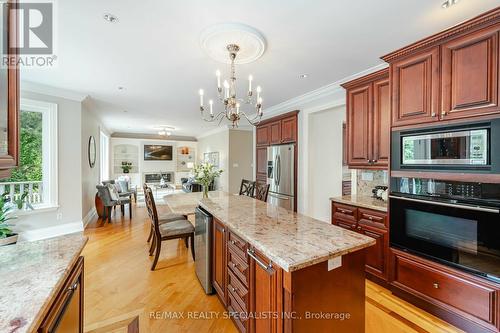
pixel 334 263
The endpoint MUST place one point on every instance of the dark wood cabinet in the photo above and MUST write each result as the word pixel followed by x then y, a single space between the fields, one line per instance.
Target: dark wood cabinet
pixel 262 135
pixel 359 109
pixel 9 105
pixel 470 75
pixel 368 121
pixel 415 88
pixel 275 133
pixel 381 122
pixel 471 300
pixel 370 223
pixel 267 293
pixel 66 311
pixel 261 163
pixel 289 129
pixel 219 269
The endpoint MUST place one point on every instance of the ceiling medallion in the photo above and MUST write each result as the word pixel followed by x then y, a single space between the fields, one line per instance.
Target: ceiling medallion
pixel 230 102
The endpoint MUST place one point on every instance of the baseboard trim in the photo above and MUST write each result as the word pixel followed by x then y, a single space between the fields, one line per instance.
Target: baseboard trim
pixel 49 232
pixel 89 217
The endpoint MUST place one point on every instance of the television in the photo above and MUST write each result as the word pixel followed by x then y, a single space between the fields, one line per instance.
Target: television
pixel 157 153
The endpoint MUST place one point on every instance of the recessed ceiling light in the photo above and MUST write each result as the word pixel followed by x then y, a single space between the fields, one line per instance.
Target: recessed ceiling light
pixel 304 76
pixel 110 18
pixel 121 88
pixel 125 111
pixel 449 3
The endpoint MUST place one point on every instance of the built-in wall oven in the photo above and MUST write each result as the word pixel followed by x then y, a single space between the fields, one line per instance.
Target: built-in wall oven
pixel 454 223
pixel 469 147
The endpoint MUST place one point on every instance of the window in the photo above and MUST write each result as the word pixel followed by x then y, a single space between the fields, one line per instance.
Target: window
pixel 104 156
pixel 36 175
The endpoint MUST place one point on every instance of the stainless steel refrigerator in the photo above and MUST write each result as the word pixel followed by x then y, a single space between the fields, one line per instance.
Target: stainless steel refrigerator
pixel 281 175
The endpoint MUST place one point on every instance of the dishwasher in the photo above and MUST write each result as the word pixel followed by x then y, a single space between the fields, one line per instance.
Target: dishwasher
pixel 203 248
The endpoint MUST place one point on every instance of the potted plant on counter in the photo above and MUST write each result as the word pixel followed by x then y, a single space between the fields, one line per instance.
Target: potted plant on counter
pixel 7 236
pixel 205 175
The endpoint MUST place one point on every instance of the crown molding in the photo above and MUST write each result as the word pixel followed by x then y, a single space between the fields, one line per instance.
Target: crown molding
pixel 213 131
pixel 328 92
pixel 39 88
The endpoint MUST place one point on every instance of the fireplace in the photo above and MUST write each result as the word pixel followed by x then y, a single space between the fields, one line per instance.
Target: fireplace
pixel 155 177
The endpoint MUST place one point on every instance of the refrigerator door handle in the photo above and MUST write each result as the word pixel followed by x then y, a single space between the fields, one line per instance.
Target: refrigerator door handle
pixel 281 197
pixel 275 171
pixel 279 169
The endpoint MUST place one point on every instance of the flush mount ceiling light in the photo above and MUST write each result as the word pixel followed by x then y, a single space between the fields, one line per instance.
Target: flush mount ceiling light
pixel 304 76
pixel 110 18
pixel 164 130
pixel 449 3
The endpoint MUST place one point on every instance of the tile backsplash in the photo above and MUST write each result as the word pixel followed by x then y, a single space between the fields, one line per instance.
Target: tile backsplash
pixel 366 180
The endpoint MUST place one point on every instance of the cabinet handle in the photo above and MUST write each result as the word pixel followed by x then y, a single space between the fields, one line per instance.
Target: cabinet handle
pixel 234 289
pixel 73 287
pixel 359 228
pixel 234 265
pixel 436 285
pixel 370 218
pixel 251 253
pixel 223 230
pixel 233 242
pixel 433 114
pixel 443 113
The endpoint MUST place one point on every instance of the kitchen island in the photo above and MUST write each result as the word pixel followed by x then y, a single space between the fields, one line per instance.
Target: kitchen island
pixel 42 285
pixel 279 271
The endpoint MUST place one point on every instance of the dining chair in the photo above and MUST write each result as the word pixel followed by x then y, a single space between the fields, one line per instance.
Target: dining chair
pixel 261 191
pixel 162 218
pixel 109 202
pixel 166 231
pixel 247 187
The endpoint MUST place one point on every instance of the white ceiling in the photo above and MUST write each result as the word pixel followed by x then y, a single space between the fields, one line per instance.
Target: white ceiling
pixel 153 51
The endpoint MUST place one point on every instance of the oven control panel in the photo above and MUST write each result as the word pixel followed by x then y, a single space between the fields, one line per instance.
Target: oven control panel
pixel 446 189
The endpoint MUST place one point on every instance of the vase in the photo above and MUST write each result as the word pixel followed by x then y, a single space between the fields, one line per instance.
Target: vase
pixel 205 191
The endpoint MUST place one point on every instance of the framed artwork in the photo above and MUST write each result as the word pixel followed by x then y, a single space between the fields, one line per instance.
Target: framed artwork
pixel 212 158
pixel 91 152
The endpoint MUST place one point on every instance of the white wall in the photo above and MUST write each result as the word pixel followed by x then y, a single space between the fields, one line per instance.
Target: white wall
pixel 240 163
pixel 68 216
pixel 325 160
pixel 217 142
pixel 91 125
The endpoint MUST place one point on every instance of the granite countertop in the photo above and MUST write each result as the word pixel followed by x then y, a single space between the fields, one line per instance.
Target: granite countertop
pixel 292 241
pixel 186 203
pixel 31 274
pixel 362 201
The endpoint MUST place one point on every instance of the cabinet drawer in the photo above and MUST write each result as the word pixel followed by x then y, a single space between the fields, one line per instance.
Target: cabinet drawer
pixel 345 212
pixel 238 266
pixel 238 246
pixel 239 316
pixel 374 218
pixel 468 296
pixel 239 291
pixel 350 225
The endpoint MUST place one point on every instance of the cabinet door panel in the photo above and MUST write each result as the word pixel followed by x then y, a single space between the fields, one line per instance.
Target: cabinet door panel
pixel 415 88
pixel 275 132
pixel 289 129
pixel 267 294
pixel 381 122
pixel 261 163
pixel 470 75
pixel 262 135
pixel 376 256
pixel 219 260
pixel 358 132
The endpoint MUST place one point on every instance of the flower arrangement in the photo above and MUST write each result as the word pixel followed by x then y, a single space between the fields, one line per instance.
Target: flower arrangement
pixel 126 166
pixel 205 174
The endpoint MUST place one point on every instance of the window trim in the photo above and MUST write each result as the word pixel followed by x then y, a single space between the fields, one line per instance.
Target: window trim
pixel 50 150
pixel 104 161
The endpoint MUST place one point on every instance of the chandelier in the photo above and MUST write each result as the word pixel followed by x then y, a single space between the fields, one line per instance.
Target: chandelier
pixel 232 105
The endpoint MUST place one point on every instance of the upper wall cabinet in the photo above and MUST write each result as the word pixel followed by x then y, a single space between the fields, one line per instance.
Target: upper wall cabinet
pixel 415 88
pixel 9 97
pixel 368 121
pixel 470 75
pixel 451 75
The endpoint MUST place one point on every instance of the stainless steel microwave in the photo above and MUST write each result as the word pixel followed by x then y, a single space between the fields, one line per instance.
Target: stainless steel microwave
pixel 469 146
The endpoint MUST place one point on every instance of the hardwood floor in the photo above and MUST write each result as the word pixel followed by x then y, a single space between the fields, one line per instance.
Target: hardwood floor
pixel 122 294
